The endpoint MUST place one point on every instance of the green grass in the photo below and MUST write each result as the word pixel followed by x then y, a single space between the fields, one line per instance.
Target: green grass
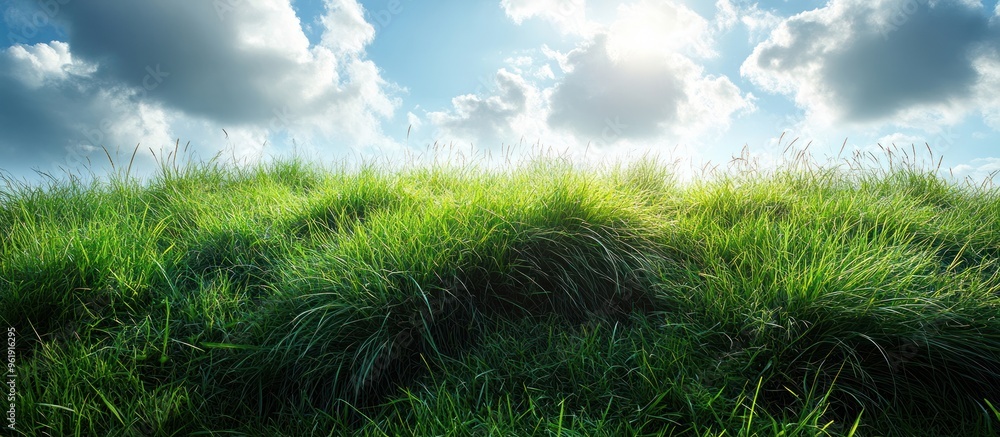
pixel 538 299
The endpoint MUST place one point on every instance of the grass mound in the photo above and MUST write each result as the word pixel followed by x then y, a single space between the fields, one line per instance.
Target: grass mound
pixel 285 299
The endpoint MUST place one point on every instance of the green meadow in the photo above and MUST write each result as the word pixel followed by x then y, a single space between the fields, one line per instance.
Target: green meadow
pixel 857 296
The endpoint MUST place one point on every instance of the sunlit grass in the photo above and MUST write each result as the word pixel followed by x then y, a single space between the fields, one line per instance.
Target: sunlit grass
pixel 845 298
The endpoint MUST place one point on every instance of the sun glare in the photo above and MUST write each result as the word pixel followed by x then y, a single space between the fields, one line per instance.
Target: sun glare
pixel 648 32
pixel 635 41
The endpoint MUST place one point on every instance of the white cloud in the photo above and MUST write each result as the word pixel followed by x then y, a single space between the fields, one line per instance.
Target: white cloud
pixel 157 70
pixel 900 139
pixel 988 89
pixel 484 119
pixel 978 170
pixel 54 112
pixel 642 98
pixel 569 16
pixel 726 15
pixel 269 27
pixel 526 66
pixel 758 22
pixel 236 67
pixel 639 77
pixel 544 72
pixel 862 63
pixel 632 84
pixel 713 102
pixel 557 56
pixel 345 28
pixel 42 63
pixel 414 120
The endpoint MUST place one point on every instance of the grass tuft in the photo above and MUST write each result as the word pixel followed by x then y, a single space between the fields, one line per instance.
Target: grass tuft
pixel 857 297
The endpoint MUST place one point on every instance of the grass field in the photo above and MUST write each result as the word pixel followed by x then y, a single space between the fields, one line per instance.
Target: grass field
pixel 543 298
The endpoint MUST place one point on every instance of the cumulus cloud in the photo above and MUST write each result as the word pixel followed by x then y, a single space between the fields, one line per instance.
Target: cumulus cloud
pixel 346 31
pixel 631 82
pixel 155 68
pixel 726 14
pixel 598 91
pixel 569 16
pixel 900 139
pixel 640 79
pixel 643 99
pixel 235 65
pixel 875 62
pixel 758 22
pixel 41 64
pixel 978 170
pixel 988 89
pixel 54 112
pixel 489 117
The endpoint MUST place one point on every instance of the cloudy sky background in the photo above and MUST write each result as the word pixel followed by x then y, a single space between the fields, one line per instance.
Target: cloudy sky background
pixel 599 80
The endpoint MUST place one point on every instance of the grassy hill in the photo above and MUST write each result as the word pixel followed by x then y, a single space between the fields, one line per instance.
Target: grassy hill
pixel 541 299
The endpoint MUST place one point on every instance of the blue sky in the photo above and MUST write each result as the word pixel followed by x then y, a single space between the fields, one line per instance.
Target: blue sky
pixel 598 80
